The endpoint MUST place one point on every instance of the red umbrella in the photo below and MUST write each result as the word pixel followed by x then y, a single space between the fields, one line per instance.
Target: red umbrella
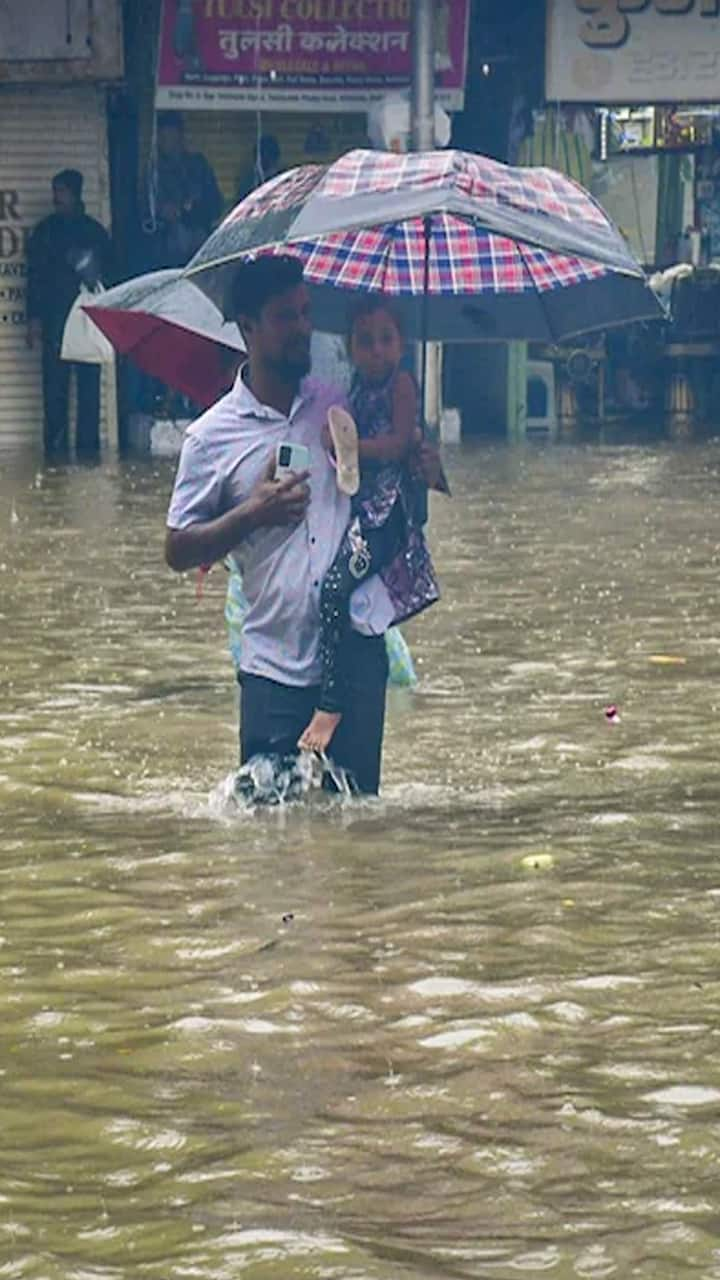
pixel 172 331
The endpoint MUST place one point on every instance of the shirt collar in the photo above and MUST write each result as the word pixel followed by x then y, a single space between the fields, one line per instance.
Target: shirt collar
pixel 250 407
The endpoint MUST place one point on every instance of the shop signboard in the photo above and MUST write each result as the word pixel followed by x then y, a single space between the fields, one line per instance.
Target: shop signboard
pixel 625 51
pixel 304 55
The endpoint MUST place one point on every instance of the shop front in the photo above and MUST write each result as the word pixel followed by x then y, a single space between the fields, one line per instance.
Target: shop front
pixel 288 82
pixel 52 116
pixel 635 91
pixel 304 72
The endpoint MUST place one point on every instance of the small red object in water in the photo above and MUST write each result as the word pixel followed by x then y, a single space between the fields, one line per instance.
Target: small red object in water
pixel 611 714
pixel 202 574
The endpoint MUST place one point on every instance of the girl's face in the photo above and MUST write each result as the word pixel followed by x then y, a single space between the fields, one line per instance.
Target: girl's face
pixel 376 346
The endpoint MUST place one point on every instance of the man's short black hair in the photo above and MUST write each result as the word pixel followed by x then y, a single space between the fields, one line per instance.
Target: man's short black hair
pixel 71 179
pixel 256 282
pixel 171 120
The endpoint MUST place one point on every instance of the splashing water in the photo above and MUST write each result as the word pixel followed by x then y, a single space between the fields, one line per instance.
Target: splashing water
pixel 277 779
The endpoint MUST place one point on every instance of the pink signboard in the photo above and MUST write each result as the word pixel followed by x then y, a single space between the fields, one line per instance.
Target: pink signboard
pixel 304 55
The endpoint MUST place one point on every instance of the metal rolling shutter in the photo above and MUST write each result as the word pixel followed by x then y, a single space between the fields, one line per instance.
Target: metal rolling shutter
pixel 228 139
pixel 42 130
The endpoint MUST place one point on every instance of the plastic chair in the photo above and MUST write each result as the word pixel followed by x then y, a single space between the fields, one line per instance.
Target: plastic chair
pixel 541 411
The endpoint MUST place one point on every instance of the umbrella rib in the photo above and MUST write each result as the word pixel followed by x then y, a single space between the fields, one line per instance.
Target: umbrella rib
pixel 539 293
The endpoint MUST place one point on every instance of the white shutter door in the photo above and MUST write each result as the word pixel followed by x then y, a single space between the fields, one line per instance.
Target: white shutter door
pixel 42 130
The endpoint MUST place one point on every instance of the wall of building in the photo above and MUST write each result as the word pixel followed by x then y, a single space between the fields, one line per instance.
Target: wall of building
pixel 36 34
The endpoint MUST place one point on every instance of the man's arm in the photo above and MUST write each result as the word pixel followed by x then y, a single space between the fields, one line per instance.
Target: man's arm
pixel 272 502
pixel 206 202
pixel 106 256
pixel 213 199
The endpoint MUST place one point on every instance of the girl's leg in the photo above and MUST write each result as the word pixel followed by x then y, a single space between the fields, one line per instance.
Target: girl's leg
pixel 338 585
pixel 363 552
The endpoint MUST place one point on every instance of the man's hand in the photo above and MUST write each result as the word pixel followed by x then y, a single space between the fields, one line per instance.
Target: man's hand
pixel 280 502
pixel 272 502
pixel 34 333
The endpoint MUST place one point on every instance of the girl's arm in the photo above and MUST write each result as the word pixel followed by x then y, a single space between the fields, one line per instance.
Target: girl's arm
pixel 397 443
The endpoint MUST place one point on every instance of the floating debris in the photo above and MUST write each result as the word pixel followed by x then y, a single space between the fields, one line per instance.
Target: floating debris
pixel 538 861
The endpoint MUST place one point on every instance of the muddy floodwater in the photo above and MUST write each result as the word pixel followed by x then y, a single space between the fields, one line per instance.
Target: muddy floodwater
pixel 471 1029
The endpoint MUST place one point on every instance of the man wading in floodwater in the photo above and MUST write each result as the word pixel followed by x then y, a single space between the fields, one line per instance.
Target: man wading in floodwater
pixel 284 534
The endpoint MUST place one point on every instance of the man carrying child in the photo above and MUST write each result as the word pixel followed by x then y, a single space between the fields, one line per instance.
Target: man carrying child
pixel 284 534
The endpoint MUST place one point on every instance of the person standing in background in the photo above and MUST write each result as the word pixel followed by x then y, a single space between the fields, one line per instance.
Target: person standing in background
pixel 267 164
pixel 65 250
pixel 183 200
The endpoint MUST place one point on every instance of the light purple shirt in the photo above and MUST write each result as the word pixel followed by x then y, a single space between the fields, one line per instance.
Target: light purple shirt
pixel 224 454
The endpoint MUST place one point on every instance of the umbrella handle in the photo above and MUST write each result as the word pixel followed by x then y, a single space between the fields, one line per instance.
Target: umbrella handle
pixel 427 229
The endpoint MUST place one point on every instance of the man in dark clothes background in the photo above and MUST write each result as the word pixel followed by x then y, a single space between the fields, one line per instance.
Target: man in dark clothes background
pixel 65 250
pixel 266 165
pixel 187 200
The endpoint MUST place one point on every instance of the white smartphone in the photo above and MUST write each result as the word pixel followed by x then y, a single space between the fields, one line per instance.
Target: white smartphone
pixel 291 458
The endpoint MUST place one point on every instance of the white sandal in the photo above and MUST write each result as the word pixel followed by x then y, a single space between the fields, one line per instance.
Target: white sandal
pixel 344 436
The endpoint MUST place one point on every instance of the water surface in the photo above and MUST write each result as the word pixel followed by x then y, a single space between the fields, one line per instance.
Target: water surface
pixel 467 1030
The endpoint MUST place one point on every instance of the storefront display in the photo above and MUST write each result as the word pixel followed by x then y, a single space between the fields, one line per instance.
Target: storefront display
pixel 623 130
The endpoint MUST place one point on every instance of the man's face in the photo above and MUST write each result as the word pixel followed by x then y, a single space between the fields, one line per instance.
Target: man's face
pixel 64 201
pixel 170 141
pixel 280 338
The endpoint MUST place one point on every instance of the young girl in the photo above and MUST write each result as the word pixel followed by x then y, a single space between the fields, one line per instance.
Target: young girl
pixel 385 534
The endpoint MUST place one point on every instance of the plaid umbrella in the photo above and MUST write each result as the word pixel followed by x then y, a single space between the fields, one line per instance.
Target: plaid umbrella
pixel 469 249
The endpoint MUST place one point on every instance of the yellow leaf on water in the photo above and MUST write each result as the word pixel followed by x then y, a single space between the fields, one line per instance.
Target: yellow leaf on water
pixel 667 660
pixel 537 861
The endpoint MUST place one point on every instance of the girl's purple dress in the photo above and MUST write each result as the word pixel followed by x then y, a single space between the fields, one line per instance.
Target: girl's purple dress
pixel 410 576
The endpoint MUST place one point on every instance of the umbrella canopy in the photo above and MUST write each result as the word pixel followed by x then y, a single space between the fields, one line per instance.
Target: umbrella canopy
pixel 179 336
pixel 172 331
pixel 495 252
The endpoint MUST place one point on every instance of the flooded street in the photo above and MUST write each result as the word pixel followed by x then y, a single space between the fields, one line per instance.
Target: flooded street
pixel 468 1030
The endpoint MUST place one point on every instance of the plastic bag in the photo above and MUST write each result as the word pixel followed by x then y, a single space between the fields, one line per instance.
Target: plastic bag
pixel 83 342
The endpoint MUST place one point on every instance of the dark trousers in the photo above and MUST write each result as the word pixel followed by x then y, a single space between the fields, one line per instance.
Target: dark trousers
pixel 272 716
pixel 56 392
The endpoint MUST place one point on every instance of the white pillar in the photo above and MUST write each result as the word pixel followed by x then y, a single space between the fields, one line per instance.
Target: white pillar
pixel 422 92
pixel 422 134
